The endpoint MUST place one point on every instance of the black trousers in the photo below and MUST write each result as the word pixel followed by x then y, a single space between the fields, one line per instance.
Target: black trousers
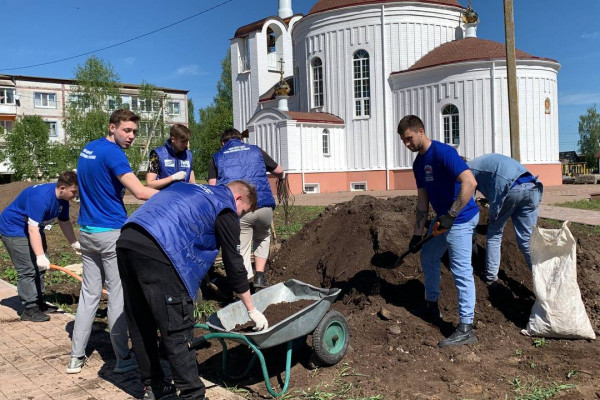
pixel 156 299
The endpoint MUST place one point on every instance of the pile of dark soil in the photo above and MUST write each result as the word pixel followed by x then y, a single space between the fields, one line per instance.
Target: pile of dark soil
pixel 353 244
pixel 275 313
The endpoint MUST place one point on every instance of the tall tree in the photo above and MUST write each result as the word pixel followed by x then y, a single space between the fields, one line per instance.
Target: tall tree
pixel 589 136
pixel 86 113
pixel 213 120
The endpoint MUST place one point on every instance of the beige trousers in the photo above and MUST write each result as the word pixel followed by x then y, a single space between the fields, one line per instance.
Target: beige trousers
pixel 255 229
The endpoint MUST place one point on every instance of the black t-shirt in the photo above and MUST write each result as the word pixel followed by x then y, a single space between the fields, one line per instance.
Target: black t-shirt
pixel 227 232
pixel 270 164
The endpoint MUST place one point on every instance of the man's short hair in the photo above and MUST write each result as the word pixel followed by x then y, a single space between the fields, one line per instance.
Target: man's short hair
pixel 248 190
pixel 229 134
pixel 123 115
pixel 180 131
pixel 411 122
pixel 67 178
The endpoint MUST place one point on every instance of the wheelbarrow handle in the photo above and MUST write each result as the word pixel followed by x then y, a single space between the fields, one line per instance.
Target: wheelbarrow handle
pixel 197 343
pixel 435 232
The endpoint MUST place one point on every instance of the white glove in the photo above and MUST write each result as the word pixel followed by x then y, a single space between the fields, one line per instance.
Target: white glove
pixel 42 262
pixel 77 247
pixel 178 176
pixel 259 319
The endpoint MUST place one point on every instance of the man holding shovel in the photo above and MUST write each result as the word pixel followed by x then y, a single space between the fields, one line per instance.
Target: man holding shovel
pixel 512 192
pixel 444 180
pixel 22 231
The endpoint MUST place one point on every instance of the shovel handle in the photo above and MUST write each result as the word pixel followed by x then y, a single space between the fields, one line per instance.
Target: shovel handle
pixel 71 274
pixel 197 343
pixel 434 233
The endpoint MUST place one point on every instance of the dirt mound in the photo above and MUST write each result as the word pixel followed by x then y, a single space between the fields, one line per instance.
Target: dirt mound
pixel 353 244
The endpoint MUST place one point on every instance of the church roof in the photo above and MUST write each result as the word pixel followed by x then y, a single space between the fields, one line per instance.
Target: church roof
pixel 326 5
pixel 468 49
pixel 315 117
pixel 258 25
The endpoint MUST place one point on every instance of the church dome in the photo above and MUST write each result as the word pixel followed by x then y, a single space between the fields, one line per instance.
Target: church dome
pixel 326 5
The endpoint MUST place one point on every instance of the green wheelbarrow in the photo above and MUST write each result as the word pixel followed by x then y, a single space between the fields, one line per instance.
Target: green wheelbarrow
pixel 329 328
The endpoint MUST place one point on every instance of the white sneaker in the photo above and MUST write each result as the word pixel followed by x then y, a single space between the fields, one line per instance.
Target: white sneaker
pixel 76 364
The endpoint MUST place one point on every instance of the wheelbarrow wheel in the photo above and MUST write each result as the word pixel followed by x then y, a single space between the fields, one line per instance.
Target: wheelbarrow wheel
pixel 330 338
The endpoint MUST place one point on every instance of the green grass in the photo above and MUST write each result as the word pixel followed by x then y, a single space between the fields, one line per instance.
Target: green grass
pixel 204 309
pixel 584 204
pixel 298 217
pixel 539 342
pixel 534 390
pixel 9 275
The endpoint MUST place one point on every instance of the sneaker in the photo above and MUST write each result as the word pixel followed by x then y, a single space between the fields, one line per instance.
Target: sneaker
pixel 429 311
pixel 34 314
pixel 125 364
pixel 161 391
pixel 47 307
pixel 462 335
pixel 76 364
pixel 260 281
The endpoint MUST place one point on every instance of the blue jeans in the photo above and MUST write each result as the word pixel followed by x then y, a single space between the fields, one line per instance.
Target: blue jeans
pixel 459 243
pixel 521 204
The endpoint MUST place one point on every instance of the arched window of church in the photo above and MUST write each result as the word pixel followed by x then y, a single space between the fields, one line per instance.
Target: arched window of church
pixel 317 82
pixel 273 54
pixel 451 124
pixel 362 87
pixel 325 142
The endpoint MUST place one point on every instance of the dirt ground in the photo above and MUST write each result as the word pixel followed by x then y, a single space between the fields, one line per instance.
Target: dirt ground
pixel 350 245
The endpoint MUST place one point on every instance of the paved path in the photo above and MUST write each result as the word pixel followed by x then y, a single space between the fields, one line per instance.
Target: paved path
pixel 34 356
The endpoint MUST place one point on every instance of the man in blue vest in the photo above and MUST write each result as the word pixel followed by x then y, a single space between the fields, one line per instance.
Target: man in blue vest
pixel 165 249
pixel 238 160
pixel 104 173
pixel 445 181
pixel 22 231
pixel 512 192
pixel 172 161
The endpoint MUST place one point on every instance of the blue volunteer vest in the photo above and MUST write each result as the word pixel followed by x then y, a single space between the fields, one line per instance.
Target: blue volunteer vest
pixel 181 218
pixel 238 160
pixel 171 163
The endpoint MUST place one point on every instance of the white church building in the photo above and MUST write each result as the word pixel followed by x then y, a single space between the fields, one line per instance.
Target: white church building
pixel 356 67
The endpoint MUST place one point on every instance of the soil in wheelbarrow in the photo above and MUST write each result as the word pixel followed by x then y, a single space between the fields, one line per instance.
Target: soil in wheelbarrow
pixel 392 351
pixel 275 313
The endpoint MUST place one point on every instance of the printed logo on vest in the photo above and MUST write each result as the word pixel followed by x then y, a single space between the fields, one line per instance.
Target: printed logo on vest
pixel 169 163
pixel 428 173
pixel 185 164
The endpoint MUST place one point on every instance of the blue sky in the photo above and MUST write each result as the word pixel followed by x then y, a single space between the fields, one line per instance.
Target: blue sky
pixel 188 55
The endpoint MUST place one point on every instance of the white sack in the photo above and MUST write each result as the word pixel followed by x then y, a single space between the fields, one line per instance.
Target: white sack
pixel 558 311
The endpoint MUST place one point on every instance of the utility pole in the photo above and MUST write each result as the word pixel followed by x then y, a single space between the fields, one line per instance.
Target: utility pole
pixel 511 70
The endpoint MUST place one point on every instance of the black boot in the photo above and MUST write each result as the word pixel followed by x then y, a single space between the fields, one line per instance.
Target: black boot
pixel 160 391
pixel 462 335
pixel 430 311
pixel 47 307
pixel 34 314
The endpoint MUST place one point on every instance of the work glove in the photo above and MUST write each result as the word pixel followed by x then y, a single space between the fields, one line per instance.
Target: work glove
pixel 446 221
pixel 259 319
pixel 412 246
pixel 77 247
pixel 178 176
pixel 42 262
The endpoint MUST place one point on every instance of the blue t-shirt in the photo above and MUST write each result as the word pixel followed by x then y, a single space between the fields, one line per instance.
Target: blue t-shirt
pixel 437 171
pixel 36 203
pixel 101 193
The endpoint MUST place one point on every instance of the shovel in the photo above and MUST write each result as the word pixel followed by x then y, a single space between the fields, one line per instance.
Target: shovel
pixel 434 233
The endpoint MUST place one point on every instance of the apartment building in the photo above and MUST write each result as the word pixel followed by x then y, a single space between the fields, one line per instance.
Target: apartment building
pixel 48 98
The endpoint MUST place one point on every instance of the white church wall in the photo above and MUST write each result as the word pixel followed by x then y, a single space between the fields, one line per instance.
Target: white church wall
pixel 469 88
pixel 335 37
pixel 313 158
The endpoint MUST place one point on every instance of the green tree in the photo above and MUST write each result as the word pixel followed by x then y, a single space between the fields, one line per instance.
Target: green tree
pixel 213 120
pixel 28 149
pixel 589 136
pixel 95 94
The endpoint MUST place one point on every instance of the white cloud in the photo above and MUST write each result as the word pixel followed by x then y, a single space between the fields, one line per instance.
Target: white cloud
pixel 129 60
pixel 190 70
pixel 590 35
pixel 580 98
